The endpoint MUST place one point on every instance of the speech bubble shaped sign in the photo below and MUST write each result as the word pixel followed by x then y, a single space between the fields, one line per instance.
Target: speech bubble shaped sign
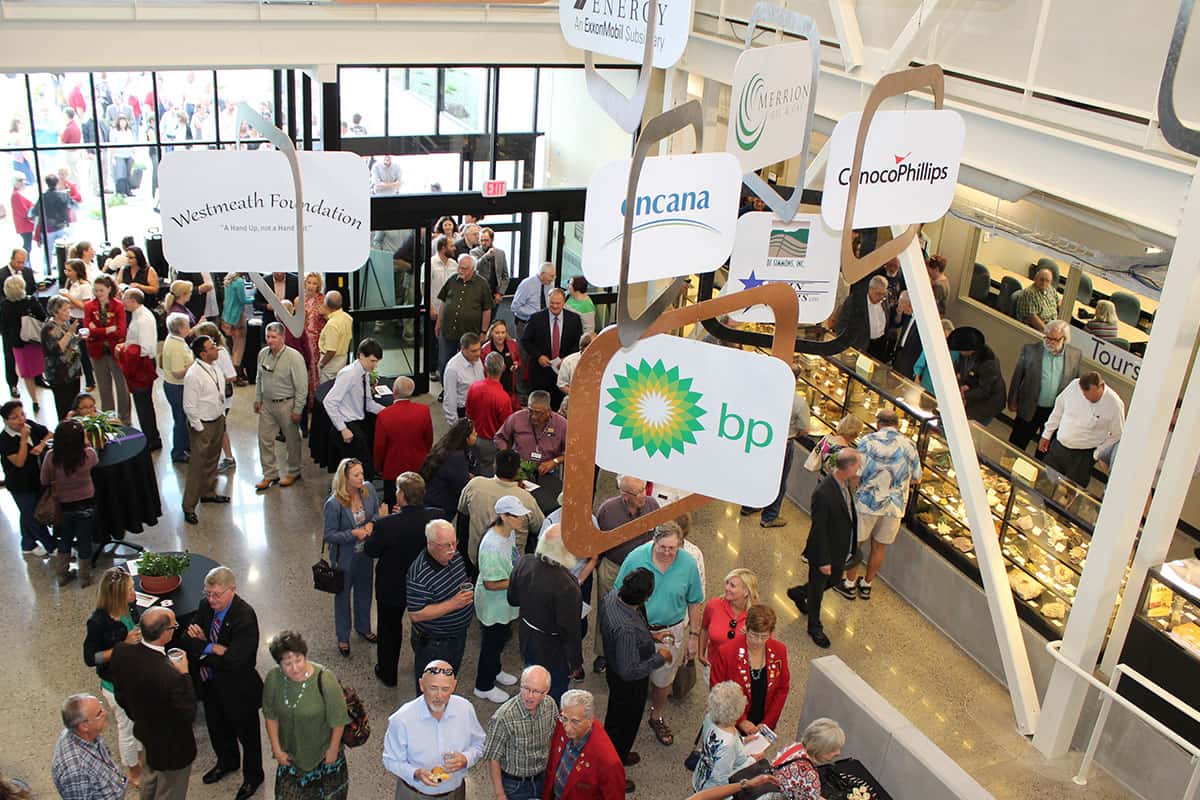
pixel 769 104
pixel 617 28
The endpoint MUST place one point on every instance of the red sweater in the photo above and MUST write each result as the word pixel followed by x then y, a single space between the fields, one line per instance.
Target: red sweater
pixel 733 664
pixel 488 405
pixel 403 437
pixel 97 335
pixel 20 209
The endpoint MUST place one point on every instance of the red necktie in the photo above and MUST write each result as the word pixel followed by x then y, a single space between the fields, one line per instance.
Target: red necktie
pixel 554 340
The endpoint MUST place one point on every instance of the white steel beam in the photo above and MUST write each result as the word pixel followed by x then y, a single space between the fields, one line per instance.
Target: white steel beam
pixel 1165 508
pixel 849 35
pixel 1003 610
pixel 918 26
pixel 1167 355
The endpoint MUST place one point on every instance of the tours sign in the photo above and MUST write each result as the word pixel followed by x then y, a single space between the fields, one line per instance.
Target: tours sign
pixel 242 203
pixel 618 28
pixel 685 213
pixel 669 412
pixel 802 253
pixel 909 168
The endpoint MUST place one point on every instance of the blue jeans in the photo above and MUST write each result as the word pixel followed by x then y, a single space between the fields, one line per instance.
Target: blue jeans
pixel 78 528
pixel 447 347
pixel 181 440
pixel 772 511
pixel 357 567
pixel 32 531
pixel 521 788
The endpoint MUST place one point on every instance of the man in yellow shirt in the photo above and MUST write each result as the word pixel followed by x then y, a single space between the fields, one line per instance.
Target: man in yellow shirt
pixel 334 342
pixel 175 359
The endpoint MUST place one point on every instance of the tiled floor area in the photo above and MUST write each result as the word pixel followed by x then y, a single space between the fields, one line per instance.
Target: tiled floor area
pixel 270 542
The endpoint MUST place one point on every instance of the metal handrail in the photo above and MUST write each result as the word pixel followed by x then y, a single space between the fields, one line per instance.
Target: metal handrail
pixel 1109 692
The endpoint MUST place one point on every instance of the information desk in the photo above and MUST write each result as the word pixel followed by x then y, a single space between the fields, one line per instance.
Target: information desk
pixel 127 498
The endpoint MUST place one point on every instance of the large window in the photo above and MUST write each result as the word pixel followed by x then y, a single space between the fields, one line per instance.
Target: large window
pixel 99 138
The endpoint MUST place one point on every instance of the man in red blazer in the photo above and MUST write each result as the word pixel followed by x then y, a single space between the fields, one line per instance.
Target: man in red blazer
pixel 583 763
pixel 488 405
pixel 403 437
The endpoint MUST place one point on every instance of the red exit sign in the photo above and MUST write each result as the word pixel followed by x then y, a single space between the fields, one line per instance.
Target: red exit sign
pixel 495 188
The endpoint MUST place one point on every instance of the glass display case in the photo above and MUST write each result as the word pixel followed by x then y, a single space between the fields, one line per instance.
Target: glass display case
pixel 1043 521
pixel 1170 603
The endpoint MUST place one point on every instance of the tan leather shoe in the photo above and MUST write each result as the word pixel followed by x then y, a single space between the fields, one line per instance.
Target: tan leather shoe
pixel 265 484
pixel 288 480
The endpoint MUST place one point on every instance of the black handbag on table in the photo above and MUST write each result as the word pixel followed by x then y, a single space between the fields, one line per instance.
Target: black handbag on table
pixel 326 577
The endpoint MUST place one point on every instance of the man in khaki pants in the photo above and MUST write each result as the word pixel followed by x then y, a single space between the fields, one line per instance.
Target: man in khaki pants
pixel 204 407
pixel 281 390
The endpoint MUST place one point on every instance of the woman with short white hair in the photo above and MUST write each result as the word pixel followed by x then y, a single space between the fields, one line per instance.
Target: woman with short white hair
pixel 795 767
pixel 26 352
pixel 721 750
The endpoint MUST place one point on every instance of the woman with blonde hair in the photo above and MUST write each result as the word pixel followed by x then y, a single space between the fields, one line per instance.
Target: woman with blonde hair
pixel 177 299
pixel 1104 324
pixel 115 621
pixel 350 513
pixel 27 354
pixel 233 321
pixel 848 429
pixel 314 299
pixel 795 768
pixel 77 290
pixel 724 617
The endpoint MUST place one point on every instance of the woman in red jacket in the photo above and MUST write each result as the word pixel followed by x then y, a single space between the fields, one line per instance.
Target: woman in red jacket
pixel 759 664
pixel 104 318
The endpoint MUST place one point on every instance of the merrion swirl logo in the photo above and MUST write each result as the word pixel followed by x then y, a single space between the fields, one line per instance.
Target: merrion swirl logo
pixel 655 409
pixel 751 116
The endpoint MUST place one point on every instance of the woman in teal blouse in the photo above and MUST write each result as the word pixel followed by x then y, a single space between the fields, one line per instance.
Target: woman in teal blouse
pixel 233 321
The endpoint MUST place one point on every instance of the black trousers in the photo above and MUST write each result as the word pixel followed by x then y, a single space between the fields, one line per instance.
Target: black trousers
pixel 432 648
pixel 389 492
pixel 1075 464
pixel 389 627
pixel 626 706
pixel 1025 431
pixel 359 447
pixel 495 637
pixel 10 364
pixel 226 733
pixel 64 396
pixel 818 582
pixel 143 401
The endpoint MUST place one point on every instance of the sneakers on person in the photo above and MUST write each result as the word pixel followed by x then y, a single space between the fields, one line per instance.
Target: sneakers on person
pixel 845 589
pixel 505 679
pixel 600 664
pixel 37 550
pixel 226 464
pixel 493 695
pixel 864 589
pixel 778 522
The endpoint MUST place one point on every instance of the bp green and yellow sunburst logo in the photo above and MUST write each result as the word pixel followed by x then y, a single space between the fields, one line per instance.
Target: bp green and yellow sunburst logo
pixel 655 408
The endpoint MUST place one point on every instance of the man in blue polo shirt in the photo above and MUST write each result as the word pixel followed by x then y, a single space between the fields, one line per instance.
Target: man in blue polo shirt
pixel 672 610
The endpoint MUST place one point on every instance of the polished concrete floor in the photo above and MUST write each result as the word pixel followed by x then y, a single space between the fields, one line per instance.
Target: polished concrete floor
pixel 270 541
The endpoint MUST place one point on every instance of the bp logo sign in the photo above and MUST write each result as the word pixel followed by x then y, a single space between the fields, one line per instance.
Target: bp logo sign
pixel 698 417
pixel 655 409
pixel 751 116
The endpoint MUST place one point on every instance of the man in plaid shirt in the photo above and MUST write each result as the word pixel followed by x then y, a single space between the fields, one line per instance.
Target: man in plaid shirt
pixel 82 767
pixel 1037 305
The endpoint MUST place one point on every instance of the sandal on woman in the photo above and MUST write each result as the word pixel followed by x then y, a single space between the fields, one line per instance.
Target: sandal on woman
pixel 662 731
pixel 344 649
pixel 370 637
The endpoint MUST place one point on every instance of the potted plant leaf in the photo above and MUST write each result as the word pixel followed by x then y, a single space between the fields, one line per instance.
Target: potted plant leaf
pixel 161 573
pixel 100 428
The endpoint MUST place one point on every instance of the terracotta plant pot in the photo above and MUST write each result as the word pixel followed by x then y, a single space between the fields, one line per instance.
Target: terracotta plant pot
pixel 160 584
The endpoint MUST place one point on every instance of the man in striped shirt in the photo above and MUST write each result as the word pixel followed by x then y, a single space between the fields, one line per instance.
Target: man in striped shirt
pixel 440 600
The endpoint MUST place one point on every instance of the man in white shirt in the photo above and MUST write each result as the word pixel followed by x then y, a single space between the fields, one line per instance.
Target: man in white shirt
pixel 531 296
pixel 566 370
pixel 204 406
pixel 136 356
pixel 385 177
pixel 441 267
pixel 463 369
pixel 349 400
pixel 1087 415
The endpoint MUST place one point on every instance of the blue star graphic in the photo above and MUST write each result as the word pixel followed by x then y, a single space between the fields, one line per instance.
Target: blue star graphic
pixel 751 282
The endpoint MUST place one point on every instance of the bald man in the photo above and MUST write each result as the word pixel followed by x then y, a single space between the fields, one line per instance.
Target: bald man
pixel 518 738
pixel 403 437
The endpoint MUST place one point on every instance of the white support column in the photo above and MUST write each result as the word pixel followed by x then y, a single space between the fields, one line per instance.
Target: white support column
pixel 1039 38
pixel 1001 606
pixel 1165 508
pixel 1175 327
pixel 845 23
pixel 910 36
pixel 814 178
pixel 675 84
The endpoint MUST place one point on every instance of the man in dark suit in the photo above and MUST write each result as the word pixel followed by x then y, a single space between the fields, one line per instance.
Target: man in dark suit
pixel 223 645
pixel 157 695
pixel 863 317
pixel 1029 402
pixel 18 265
pixel 551 335
pixel 908 343
pixel 286 287
pixel 831 538
pixel 396 541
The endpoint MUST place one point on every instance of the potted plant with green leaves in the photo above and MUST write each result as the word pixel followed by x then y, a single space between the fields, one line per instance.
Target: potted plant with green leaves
pixel 100 428
pixel 161 573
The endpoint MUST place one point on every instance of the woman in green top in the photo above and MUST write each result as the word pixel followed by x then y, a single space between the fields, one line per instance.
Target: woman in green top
pixel 305 712
pixel 497 557
pixel 581 304
pixel 115 621
pixel 233 321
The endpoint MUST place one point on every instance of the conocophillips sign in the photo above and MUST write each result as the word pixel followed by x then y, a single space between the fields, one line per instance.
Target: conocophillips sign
pixel 771 87
pixel 685 217
pixel 909 168
pixel 618 27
